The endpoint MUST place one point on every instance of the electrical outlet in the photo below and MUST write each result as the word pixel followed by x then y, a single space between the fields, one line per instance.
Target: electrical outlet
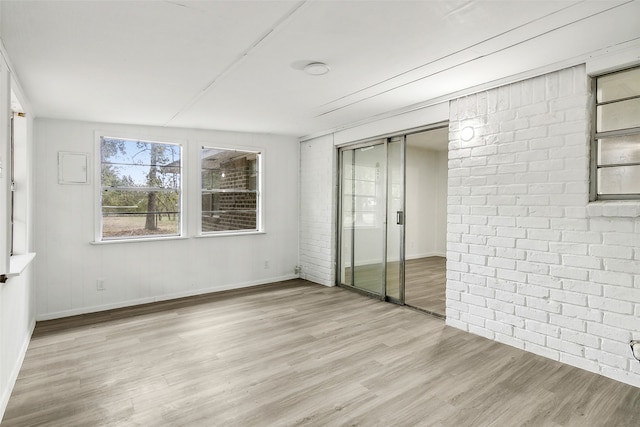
pixel 100 285
pixel 266 265
pixel 297 270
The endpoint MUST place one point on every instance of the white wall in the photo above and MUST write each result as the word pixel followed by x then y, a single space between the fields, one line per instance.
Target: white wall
pixel 17 296
pixel 426 202
pixel 530 262
pixel 137 272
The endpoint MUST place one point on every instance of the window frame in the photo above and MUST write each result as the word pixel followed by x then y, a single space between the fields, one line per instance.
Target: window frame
pixel 595 136
pixel 260 179
pixel 98 224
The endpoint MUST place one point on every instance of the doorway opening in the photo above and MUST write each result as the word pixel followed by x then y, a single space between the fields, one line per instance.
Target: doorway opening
pixel 392 219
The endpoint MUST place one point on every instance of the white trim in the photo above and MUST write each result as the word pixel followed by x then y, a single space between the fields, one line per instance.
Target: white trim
pixel 166 297
pixel 138 239
pixel 18 263
pixel 4 401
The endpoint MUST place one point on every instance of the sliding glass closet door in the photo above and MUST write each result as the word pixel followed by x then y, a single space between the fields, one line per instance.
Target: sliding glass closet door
pixel 395 220
pixel 371 218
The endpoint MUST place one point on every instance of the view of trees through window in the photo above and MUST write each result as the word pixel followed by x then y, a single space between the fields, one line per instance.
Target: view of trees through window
pixel 141 182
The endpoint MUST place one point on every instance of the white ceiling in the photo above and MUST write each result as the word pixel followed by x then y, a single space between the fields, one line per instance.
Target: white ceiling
pixel 236 65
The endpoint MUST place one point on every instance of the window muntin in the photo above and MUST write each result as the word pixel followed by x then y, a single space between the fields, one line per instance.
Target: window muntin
pixel 617 136
pixel 230 190
pixel 140 189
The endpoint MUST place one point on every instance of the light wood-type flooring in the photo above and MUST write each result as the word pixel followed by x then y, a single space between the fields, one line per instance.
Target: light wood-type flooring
pixel 296 353
pixel 425 284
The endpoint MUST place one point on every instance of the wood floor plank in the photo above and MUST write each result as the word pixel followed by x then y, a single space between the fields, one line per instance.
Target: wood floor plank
pixel 295 353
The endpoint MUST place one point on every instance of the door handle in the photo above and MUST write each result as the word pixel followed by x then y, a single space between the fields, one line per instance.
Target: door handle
pixel 399 217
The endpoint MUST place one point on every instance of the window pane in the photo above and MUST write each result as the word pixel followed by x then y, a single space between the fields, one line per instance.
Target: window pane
pixel 619 180
pixel 230 183
pixel 141 183
pixel 619 150
pixel 619 115
pixel 140 213
pixel 619 85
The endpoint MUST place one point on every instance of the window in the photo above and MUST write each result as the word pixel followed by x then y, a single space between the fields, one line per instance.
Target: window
pixel 141 189
pixel 616 171
pixel 230 190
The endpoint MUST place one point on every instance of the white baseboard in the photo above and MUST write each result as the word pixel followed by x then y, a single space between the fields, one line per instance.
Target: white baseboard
pixel 427 255
pixel 6 393
pixel 165 297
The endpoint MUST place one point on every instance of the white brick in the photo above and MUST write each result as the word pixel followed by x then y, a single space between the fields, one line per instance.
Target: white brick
pixel 568 322
pixel 532 313
pixel 533 222
pixel 482 250
pixel 544 280
pixel 628 322
pixel 569 248
pixel 532 267
pixel 503 242
pixel 499 327
pixel 509 319
pixel 569 297
pixel 529 336
pixel 580 362
pixel 531 290
pixel 543 328
pixel 583 287
pixel 504 263
pixel 516 254
pixel 543 257
pixel 570 224
pixel 536 245
pixel 509 340
pixel 516 276
pixel 500 306
pixel 543 304
pixel 481 312
pixel 611 278
pixel 606 358
pixel 565 347
pixel 631 267
pixel 622 293
pixel 622 239
pixel 481 331
pixel 582 313
pixel 611 251
pixel 568 272
pixel 581 261
pixel 608 332
pixel 611 305
pixel 473 299
pixel 510 297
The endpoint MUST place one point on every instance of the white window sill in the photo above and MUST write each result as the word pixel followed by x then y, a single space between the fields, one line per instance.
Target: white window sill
pixel 18 263
pixel 138 240
pixel 614 209
pixel 230 234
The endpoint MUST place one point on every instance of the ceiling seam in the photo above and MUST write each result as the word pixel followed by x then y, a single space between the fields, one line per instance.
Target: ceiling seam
pixel 286 17
pixel 462 63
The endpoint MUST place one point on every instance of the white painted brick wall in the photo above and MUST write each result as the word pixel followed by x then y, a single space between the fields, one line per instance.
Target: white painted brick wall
pixel 317 210
pixel 531 263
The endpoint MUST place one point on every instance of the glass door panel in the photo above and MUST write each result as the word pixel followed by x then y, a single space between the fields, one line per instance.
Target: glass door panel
pixel 395 220
pixel 362 215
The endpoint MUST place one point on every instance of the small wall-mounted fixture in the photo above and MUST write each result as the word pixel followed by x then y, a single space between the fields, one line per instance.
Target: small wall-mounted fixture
pixel 466 134
pixel 635 349
pixel 316 68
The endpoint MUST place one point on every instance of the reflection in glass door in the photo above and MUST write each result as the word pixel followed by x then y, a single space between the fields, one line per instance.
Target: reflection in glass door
pixel 372 218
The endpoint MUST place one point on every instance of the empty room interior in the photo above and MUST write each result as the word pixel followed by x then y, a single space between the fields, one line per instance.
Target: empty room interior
pixel 316 212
